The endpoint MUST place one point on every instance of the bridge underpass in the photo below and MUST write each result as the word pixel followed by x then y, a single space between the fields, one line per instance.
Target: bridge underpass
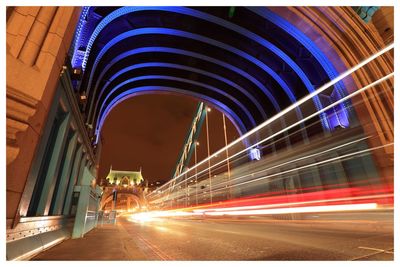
pixel 310 177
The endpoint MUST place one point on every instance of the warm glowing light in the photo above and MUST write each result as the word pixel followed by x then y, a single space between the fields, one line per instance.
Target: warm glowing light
pixel 155 215
pixel 208 109
pixel 142 217
pixel 329 208
pixel 291 204
pixel 162 229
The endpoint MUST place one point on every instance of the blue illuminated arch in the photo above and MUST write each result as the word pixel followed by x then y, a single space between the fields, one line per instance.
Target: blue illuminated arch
pixel 176 66
pixel 159 49
pixel 201 15
pixel 237 122
pixel 166 31
pixel 325 63
pixel 165 77
pixel 264 12
pixel 76 59
pixel 203 57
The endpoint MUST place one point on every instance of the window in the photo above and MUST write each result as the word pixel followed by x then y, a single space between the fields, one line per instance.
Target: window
pixel 45 162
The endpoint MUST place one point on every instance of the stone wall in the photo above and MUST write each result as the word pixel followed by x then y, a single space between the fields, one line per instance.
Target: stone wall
pixel 38 39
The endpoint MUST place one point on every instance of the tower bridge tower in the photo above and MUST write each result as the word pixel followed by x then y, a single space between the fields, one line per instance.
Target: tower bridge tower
pixel 123 191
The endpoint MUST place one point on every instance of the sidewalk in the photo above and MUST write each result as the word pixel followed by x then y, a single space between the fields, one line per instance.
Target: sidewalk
pixel 107 242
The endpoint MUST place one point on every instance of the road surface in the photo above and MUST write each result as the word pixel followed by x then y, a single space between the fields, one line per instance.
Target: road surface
pixel 185 239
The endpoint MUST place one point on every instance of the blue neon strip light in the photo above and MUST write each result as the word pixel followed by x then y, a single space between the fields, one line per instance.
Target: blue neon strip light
pixel 196 37
pixel 182 67
pixel 164 77
pixel 196 55
pixel 221 22
pixel 126 10
pixel 76 61
pixel 308 44
pixel 154 89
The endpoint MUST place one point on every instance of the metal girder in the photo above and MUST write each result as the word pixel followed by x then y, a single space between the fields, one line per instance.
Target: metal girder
pixel 190 141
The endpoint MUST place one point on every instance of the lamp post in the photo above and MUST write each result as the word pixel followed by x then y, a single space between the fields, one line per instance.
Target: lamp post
pixel 227 157
pixel 208 153
pixel 195 168
pixel 186 190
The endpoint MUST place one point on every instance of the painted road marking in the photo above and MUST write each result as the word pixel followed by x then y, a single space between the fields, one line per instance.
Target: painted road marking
pixel 376 249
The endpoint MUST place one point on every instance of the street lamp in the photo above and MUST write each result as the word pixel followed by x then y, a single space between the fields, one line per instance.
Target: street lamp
pixel 227 156
pixel 187 189
pixel 195 167
pixel 208 151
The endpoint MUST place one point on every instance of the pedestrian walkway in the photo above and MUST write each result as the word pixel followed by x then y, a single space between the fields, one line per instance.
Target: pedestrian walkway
pixel 107 242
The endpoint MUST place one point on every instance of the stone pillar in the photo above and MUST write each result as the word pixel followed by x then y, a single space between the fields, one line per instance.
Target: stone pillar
pixel 37 42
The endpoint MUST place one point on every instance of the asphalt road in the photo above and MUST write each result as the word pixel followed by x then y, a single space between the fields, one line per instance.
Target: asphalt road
pixel 177 239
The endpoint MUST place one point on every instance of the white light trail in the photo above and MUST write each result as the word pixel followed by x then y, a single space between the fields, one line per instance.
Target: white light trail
pixel 151 216
pixel 303 167
pixel 312 165
pixel 288 162
pixel 296 160
pixel 258 207
pixel 292 107
pixel 304 119
pixel 154 215
pixel 329 208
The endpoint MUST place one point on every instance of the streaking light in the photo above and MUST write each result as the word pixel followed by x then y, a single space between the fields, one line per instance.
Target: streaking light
pixel 329 208
pixel 287 128
pixel 153 215
pixel 313 164
pixel 291 204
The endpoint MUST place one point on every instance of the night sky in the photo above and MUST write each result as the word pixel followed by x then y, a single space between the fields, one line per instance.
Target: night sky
pixel 148 131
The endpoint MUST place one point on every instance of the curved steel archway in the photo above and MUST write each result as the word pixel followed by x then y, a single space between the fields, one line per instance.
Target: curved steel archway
pixel 172 45
pixel 165 77
pixel 172 32
pixel 194 55
pixel 186 68
pixel 239 125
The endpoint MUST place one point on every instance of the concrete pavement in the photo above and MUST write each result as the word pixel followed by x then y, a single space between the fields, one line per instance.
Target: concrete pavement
pixel 107 242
